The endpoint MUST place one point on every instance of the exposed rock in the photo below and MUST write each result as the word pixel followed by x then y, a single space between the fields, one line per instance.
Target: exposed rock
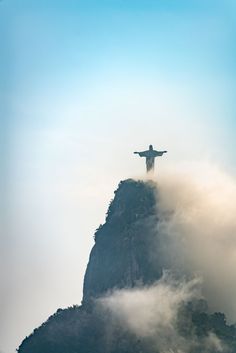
pixel 121 256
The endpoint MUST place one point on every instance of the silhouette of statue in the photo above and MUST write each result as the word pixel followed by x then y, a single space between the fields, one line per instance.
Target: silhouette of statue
pixel 150 155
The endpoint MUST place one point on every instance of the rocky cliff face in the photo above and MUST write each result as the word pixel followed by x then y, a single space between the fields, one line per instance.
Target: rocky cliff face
pixel 124 256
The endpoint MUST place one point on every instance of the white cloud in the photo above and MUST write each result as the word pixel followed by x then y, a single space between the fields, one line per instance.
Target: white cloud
pixel 151 310
pixel 151 313
pixel 200 228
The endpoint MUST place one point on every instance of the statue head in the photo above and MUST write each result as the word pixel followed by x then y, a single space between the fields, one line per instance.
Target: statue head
pixel 150 147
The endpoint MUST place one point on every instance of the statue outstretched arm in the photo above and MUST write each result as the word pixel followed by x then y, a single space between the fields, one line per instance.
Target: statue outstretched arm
pixel 141 154
pixel 160 153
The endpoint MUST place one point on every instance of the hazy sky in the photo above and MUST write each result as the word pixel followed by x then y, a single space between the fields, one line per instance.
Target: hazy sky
pixel 84 84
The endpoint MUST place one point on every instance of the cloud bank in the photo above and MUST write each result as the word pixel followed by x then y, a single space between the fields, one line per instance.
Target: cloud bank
pixel 198 206
pixel 151 313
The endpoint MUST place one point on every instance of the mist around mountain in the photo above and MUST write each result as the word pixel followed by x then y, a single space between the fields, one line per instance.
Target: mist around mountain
pixel 144 287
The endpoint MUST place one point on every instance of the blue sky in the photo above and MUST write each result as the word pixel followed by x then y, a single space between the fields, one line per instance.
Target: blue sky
pixel 85 83
pixel 67 51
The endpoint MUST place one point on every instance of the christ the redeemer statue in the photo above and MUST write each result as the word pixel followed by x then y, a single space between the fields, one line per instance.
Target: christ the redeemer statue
pixel 150 155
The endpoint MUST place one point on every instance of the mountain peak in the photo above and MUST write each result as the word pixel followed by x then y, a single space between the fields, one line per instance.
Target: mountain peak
pixel 119 258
